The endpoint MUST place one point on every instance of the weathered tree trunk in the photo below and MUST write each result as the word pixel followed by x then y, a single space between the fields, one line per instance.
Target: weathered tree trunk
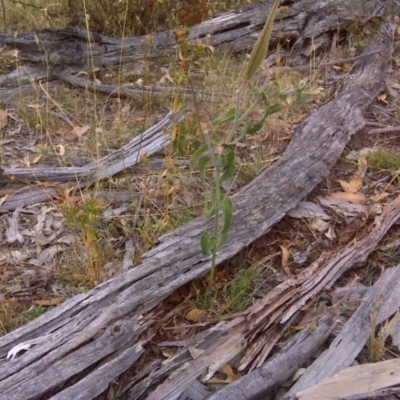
pixel 306 24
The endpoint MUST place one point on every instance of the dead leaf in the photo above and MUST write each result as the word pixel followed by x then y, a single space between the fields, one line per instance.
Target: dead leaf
pixel 353 186
pixel 72 134
pixel 355 198
pixel 285 256
pixel 167 353
pixel 196 315
pixel 317 224
pixel 4 199
pixel 57 187
pixel 230 375
pixel 3 119
pixel 298 118
pixel 52 302
pixel 60 149
pixel 307 209
pixel 195 352
pixel 285 260
pixel 382 98
pixel 29 159
pixel 330 234
pixel 12 233
pixel 362 162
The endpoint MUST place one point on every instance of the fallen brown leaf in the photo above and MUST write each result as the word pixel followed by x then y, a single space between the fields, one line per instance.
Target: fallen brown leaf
pixel 355 198
pixel 52 302
pixel 353 186
pixel 196 315
pixel 230 375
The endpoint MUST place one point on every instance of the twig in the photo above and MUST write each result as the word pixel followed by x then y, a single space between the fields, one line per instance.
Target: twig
pixel 330 63
pixel 386 129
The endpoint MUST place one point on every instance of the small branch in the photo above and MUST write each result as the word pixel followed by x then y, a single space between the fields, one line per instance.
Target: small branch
pixel 330 63
pixel 387 129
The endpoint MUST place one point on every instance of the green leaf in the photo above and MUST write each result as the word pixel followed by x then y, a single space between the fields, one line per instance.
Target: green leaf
pixel 196 155
pixel 209 212
pixel 262 43
pixel 215 142
pixel 202 167
pixel 222 240
pixel 227 211
pixel 205 243
pixel 213 243
pixel 274 109
pixel 226 117
pixel 227 173
pixel 256 127
pixel 228 159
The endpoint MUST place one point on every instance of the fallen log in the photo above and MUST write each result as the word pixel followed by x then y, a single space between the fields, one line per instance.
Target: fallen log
pixel 315 147
pixel 381 302
pixel 306 24
pixel 148 143
pixel 259 328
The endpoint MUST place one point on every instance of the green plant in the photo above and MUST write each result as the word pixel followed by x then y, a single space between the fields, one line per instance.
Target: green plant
pixel 35 311
pixel 220 153
pixel 235 295
pixel 381 160
pixel 87 219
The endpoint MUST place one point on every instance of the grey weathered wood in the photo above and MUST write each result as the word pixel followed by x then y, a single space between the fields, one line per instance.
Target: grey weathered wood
pixel 306 23
pixel 97 382
pixel 382 301
pixel 149 142
pixel 265 319
pixel 295 353
pixel 196 391
pixel 64 363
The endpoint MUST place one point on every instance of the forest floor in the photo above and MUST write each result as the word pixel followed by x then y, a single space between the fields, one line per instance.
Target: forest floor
pixel 54 250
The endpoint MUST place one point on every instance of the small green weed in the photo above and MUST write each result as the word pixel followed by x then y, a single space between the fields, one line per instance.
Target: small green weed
pixel 219 153
pixel 382 161
pixel 35 311
pixel 235 298
pixel 86 219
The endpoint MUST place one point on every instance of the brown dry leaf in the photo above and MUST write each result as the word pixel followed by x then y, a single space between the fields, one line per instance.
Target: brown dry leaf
pixel 382 98
pixel 355 198
pixel 52 302
pixel 196 315
pixel 57 187
pixel 4 199
pixel 60 149
pixel 353 186
pixel 195 352
pixel 297 119
pixel 62 131
pixel 379 197
pixel 230 375
pixel 3 119
pixel 30 159
pixel 362 162
pixel 285 256
pixel 285 260
pixel 167 353
pixel 72 134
